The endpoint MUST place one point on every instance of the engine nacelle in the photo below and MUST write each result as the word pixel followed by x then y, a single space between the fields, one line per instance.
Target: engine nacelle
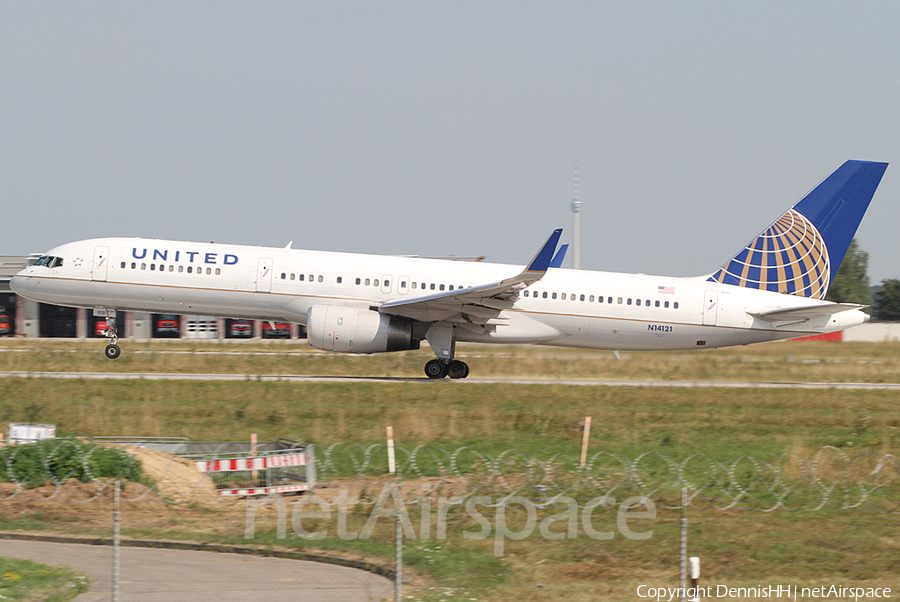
pixel 353 330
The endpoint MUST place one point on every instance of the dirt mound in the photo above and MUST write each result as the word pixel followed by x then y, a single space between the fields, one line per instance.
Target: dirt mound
pixel 77 499
pixel 176 478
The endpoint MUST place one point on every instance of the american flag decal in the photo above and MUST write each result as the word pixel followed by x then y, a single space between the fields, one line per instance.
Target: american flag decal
pixel 666 290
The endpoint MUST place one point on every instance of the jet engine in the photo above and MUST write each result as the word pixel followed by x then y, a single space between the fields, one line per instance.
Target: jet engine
pixel 353 330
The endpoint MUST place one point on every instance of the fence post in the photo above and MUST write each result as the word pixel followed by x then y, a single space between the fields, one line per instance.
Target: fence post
pixel 683 544
pixel 584 441
pixel 695 578
pixel 398 542
pixel 399 549
pixel 254 475
pixel 115 559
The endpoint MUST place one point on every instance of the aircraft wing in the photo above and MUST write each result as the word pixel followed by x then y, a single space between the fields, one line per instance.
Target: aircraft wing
pixel 805 312
pixel 476 305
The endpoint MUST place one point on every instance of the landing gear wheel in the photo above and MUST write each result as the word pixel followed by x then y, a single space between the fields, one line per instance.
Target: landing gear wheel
pixel 435 369
pixel 113 351
pixel 457 369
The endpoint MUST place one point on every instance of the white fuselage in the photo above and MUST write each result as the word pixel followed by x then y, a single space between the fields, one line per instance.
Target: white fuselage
pixel 637 312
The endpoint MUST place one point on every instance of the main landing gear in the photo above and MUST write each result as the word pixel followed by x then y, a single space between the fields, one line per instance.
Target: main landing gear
pixel 441 338
pixel 113 351
pixel 440 368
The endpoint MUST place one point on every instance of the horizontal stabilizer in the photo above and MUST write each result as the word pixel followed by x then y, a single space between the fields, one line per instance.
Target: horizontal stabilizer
pixel 804 313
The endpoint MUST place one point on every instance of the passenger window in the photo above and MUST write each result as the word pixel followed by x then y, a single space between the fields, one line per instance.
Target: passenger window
pixel 152 267
pixel 619 300
pixel 525 293
pixel 666 304
pixel 143 266
pixel 414 285
pixel 180 268
pixel 451 287
pixel 638 302
pixel 190 270
pixel 283 275
pixel 591 299
pixel 563 296
pixel 133 265
pixel 657 304
pixel 554 295
pixel 301 278
pixel 375 282
pixel 403 284
pixel 629 301
pixel 208 271
pixel 582 298
pixel 292 276
pixel 675 305
pixel 368 282
pixel 311 277
pixel 441 287
pixel 609 299
pixel 123 265
pixel 171 268
pixel 340 279
pixel 320 278
pixel 599 299
pixel 544 295
pixel 218 271
pixel 387 283
pixel 432 286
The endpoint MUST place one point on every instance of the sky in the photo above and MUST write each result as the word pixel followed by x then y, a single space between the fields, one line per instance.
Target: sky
pixel 444 128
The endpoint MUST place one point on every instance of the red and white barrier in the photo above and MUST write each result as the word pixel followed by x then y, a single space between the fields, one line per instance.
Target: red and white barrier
pixel 266 490
pixel 235 464
pixel 254 464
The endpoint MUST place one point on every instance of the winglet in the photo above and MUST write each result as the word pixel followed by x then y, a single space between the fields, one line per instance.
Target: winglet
pixel 559 257
pixel 544 257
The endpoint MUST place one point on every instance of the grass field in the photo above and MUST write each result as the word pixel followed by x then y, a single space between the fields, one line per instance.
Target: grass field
pixel 737 548
pixel 789 361
pixel 23 580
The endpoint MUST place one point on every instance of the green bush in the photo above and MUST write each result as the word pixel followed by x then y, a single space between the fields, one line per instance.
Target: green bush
pixel 56 460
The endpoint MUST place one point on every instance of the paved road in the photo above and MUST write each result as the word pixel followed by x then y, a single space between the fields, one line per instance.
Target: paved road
pixel 509 381
pixel 156 575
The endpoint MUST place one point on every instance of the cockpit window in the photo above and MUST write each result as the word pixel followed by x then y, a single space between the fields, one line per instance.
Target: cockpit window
pixel 49 261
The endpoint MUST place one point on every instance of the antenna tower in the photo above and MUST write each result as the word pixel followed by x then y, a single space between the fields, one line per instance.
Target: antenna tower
pixel 576 225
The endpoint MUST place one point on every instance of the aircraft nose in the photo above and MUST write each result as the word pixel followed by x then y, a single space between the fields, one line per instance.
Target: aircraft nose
pixel 19 285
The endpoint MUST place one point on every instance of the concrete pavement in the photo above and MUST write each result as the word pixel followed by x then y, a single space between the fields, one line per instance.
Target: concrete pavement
pixel 159 575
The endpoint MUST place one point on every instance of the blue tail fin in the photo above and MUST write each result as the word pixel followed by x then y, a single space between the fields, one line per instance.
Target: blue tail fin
pixel 801 252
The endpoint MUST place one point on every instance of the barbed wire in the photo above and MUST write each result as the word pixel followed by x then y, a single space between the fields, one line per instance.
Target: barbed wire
pixel 829 479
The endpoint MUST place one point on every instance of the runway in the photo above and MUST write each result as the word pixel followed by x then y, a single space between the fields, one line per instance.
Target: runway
pixel 300 378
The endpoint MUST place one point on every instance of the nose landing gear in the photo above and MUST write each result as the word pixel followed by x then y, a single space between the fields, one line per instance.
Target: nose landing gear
pixel 112 351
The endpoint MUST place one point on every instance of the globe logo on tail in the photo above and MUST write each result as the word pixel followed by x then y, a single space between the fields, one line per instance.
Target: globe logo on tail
pixel 790 257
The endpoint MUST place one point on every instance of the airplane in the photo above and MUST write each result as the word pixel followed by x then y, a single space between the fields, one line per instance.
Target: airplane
pixel 773 288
